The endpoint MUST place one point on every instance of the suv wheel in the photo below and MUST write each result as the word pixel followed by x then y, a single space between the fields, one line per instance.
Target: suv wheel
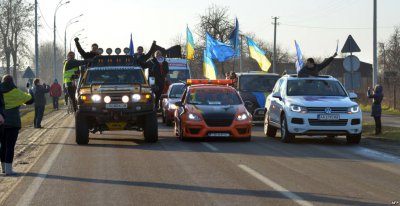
pixel 353 138
pixel 81 130
pixel 269 130
pixel 150 128
pixel 287 137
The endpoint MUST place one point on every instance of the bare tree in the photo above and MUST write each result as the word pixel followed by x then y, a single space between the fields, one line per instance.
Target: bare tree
pixel 46 62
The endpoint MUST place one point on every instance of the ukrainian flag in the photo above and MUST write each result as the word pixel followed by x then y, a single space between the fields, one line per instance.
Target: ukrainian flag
pixel 189 44
pixel 209 70
pixel 259 55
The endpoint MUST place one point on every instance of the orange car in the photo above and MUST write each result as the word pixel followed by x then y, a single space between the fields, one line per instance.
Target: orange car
pixel 211 108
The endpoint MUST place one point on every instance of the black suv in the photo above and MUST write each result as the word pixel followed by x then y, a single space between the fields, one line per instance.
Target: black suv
pixel 254 87
pixel 114 95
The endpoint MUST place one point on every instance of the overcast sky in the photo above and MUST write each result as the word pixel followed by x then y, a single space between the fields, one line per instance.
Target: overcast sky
pixel 315 24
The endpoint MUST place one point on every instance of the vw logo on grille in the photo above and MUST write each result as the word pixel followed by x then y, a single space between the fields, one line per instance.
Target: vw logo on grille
pixel 328 110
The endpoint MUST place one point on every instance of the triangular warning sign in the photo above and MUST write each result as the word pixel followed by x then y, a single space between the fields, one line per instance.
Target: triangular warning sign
pixel 350 46
pixel 28 74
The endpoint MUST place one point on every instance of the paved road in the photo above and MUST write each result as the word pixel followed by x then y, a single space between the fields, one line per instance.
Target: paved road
pixel 120 169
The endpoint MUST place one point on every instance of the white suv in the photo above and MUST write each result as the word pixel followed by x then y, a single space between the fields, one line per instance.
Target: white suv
pixel 312 106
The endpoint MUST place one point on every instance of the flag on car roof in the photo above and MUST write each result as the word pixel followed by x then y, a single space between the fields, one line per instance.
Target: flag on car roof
pixel 189 44
pixel 131 48
pixel 218 50
pixel 258 54
pixel 234 39
pixel 299 60
pixel 209 70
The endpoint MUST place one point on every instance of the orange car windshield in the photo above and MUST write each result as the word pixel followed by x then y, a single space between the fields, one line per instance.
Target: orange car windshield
pixel 209 96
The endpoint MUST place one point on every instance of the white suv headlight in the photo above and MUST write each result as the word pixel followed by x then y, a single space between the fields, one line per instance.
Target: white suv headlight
pixel 242 117
pixel 136 97
pixel 297 108
pixel 353 109
pixel 96 98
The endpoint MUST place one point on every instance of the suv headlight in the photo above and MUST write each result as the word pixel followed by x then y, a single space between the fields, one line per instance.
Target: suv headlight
pixel 242 117
pixel 353 109
pixel 125 99
pixel 96 98
pixel 136 97
pixel 195 117
pixel 297 108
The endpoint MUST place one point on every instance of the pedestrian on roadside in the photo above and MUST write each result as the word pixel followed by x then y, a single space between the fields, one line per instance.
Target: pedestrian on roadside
pixel 13 99
pixel 55 93
pixel 376 110
pixel 1 122
pixel 39 92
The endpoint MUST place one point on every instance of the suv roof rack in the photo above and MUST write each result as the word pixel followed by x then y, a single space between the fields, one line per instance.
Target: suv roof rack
pixel 319 76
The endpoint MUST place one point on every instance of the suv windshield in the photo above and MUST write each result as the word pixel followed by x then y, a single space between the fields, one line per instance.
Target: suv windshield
pixel 177 91
pixel 176 76
pixel 257 83
pixel 213 97
pixel 306 87
pixel 114 76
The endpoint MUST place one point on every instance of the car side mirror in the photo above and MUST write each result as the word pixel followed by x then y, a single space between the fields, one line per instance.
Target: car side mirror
pixel 178 104
pixel 152 81
pixel 277 95
pixel 353 95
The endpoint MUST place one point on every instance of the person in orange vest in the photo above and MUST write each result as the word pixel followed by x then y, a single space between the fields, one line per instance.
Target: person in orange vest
pixel 55 93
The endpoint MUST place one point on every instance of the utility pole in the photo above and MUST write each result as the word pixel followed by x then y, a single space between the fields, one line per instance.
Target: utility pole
pixel 274 57
pixel 36 41
pixel 375 72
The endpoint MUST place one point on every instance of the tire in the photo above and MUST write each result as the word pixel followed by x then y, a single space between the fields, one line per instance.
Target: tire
pixel 150 128
pixel 287 137
pixel 269 130
pixel 81 130
pixel 353 138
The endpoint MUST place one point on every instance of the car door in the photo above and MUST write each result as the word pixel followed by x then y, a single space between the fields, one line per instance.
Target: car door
pixel 275 103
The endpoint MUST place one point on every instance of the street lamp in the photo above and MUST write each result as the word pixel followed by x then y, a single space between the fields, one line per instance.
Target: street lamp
pixel 60 4
pixel 76 34
pixel 71 21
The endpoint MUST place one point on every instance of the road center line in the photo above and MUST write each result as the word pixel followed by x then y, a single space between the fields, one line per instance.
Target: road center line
pixel 27 197
pixel 275 186
pixel 209 146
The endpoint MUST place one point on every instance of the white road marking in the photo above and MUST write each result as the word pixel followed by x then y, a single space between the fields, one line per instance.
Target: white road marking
pixel 209 146
pixel 373 154
pixel 27 197
pixel 275 186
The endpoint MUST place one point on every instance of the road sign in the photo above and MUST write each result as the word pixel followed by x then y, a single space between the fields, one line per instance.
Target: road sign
pixel 350 46
pixel 28 74
pixel 351 63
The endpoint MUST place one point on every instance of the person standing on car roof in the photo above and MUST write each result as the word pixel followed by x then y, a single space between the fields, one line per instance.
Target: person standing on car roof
pixel 159 71
pixel 71 72
pixel 139 58
pixel 86 55
pixel 313 69
pixel 376 110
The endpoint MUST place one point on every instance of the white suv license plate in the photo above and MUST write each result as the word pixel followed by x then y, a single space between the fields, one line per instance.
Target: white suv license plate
pixel 218 134
pixel 116 106
pixel 328 117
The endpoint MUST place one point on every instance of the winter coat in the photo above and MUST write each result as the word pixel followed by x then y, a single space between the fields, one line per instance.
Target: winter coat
pixel 13 99
pixel 376 110
pixel 38 92
pixel 85 55
pixel 55 90
pixel 314 71
pixel 1 101
pixel 159 71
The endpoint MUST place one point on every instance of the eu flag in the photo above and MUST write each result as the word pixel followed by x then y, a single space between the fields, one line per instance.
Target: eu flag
pixel 131 48
pixel 234 39
pixel 218 50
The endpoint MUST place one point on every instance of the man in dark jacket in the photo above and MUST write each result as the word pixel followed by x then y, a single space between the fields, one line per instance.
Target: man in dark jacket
pixel 376 109
pixel 313 69
pixel 139 57
pixel 13 99
pixel 40 101
pixel 159 70
pixel 71 72
pixel 86 55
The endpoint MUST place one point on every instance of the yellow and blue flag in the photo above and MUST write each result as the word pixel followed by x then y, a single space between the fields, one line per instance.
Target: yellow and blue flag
pixel 258 54
pixel 218 50
pixel 131 48
pixel 234 39
pixel 209 70
pixel 189 44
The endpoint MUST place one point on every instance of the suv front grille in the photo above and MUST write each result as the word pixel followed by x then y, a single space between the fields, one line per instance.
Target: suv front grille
pixel 334 110
pixel 218 122
pixel 317 122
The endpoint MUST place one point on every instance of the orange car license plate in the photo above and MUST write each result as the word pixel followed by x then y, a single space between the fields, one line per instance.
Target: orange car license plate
pixel 219 134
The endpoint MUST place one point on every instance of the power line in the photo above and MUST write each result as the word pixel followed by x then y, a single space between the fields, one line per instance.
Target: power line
pixel 44 19
pixel 338 28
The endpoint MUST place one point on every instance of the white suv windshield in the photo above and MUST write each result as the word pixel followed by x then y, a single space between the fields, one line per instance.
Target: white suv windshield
pixel 314 87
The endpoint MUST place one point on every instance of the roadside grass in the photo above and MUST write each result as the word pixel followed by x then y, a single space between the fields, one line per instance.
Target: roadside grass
pixel 387 132
pixel 385 109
